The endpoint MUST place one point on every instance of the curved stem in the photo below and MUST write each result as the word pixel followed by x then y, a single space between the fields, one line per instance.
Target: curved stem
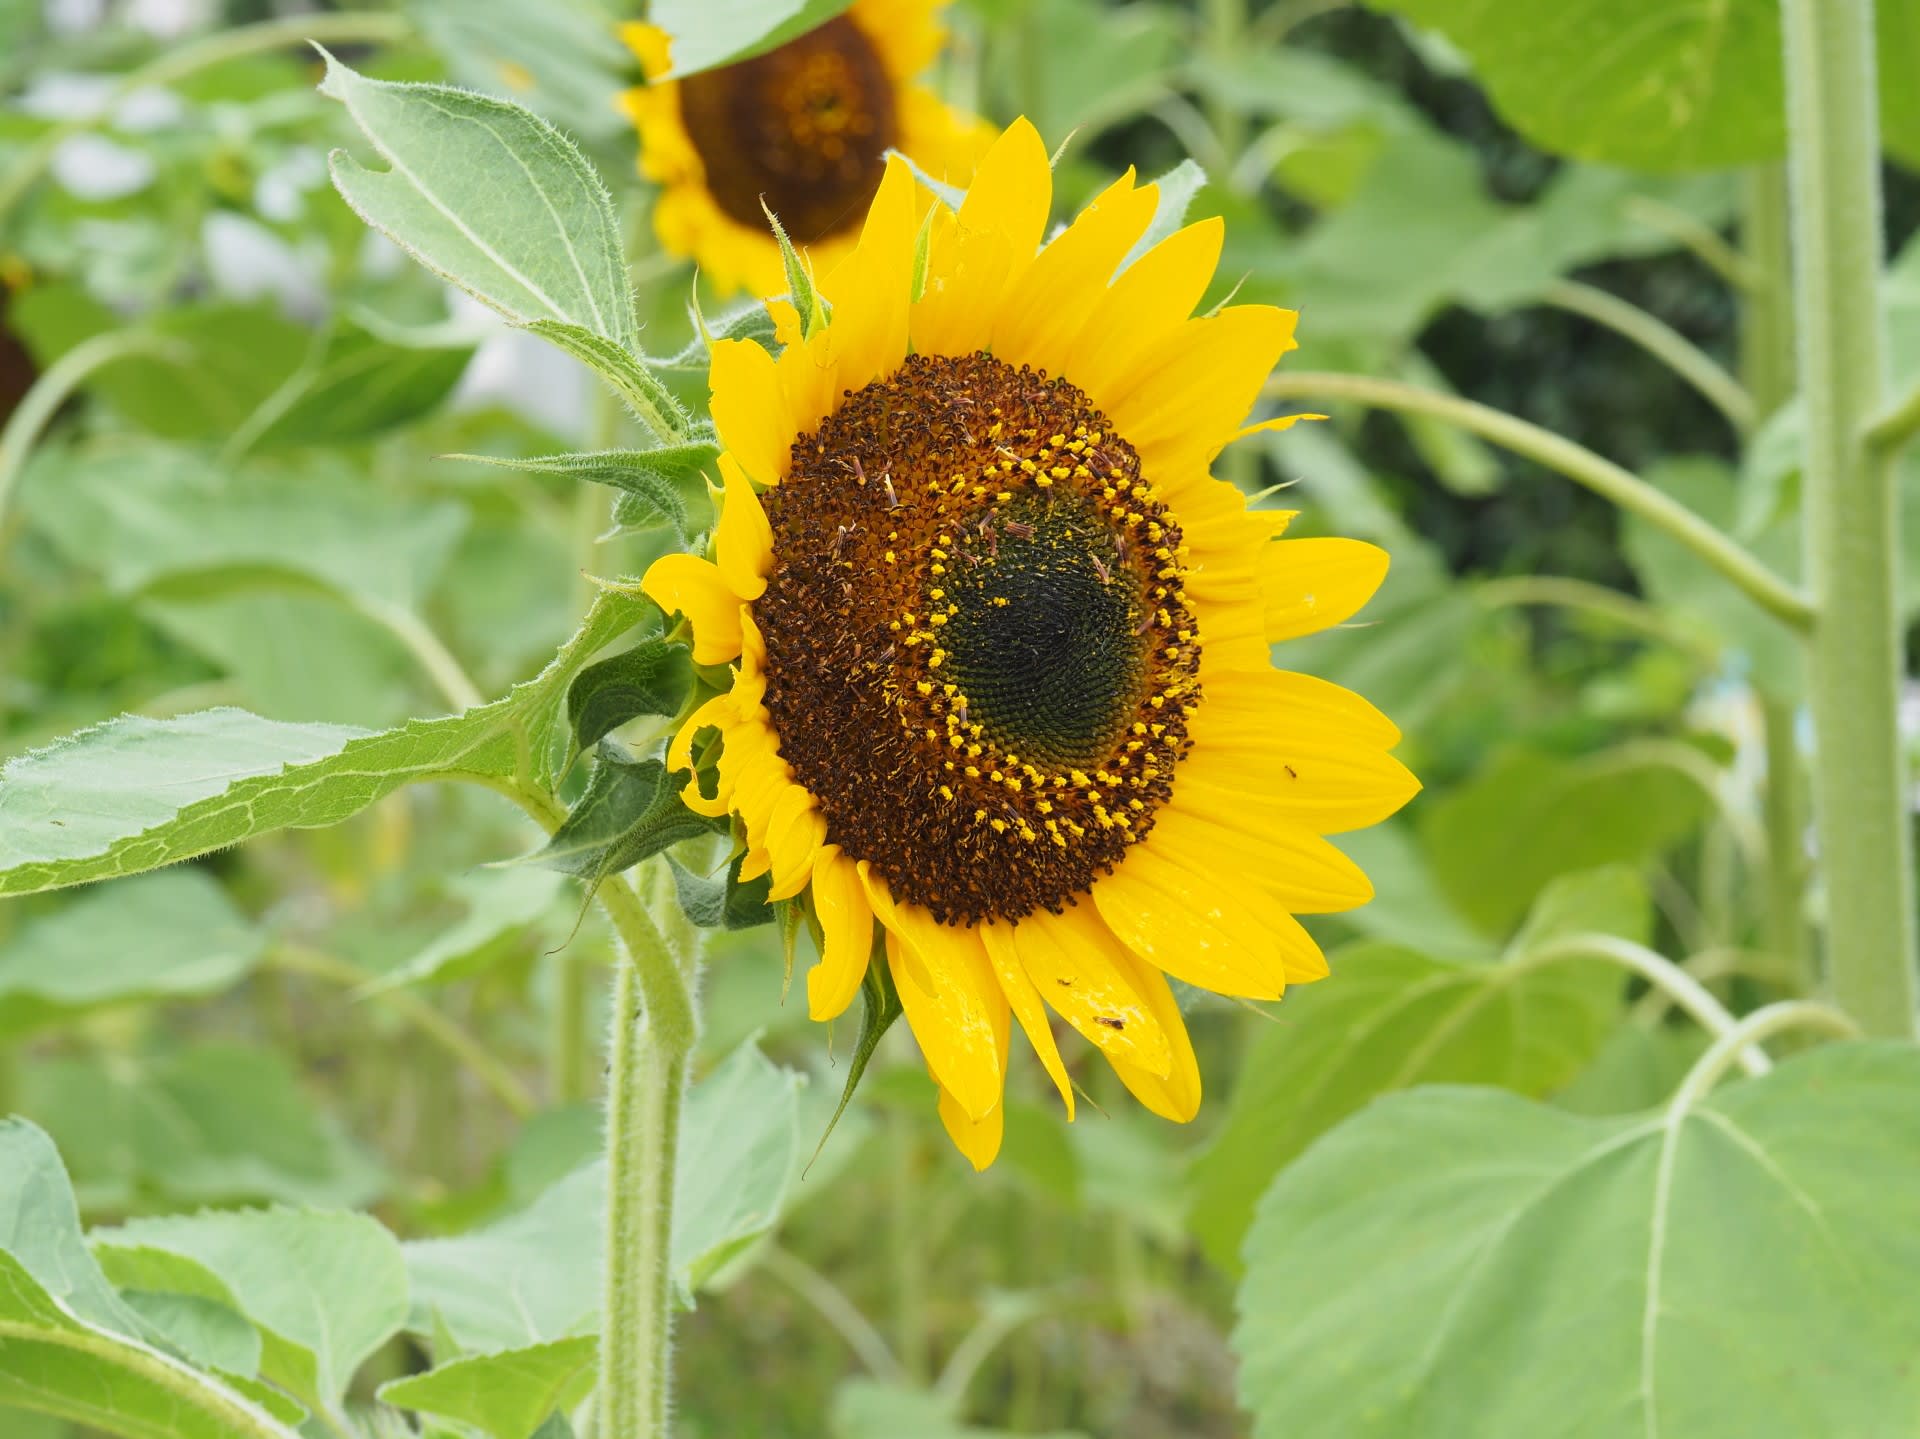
pixel 1577 463
pixel 1663 342
pixel 653 1030
pixel 1743 1039
pixel 51 390
pixel 1852 515
pixel 840 1312
pixel 423 1016
pixel 1695 234
pixel 440 664
pixel 1573 594
pixel 1657 970
pixel 1718 963
pixel 178 63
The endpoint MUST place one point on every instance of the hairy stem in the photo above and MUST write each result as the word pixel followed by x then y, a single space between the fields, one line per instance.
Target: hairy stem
pixel 1745 1037
pixel 653 1030
pixel 1577 463
pixel 1860 784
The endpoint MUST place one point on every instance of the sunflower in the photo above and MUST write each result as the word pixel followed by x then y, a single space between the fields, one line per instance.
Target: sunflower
pixel 999 644
pixel 804 127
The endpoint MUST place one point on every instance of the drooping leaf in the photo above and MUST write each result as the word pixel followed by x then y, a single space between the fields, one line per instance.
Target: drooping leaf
pixel 508 1394
pixel 1392 1017
pixel 881 1007
pixel 630 809
pixel 490 196
pixel 651 678
pixel 534 1278
pixel 324 1289
pixel 157 937
pixel 722 901
pixel 72 1347
pixel 135 794
pixel 1465 1262
pixel 501 905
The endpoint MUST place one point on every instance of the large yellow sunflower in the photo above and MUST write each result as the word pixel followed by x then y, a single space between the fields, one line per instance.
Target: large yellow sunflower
pixel 1000 643
pixel 804 127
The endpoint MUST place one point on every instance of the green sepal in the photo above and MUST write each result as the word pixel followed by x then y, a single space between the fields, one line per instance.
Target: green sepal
pixel 882 1009
pixel 652 678
pixel 722 901
pixel 631 809
pixel 648 480
pixel 807 300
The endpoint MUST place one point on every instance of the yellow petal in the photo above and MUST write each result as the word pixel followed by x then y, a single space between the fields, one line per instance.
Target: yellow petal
pixel 1047 307
pixel 1070 960
pixel 1176 1094
pixel 846 922
pixel 1026 1004
pixel 1012 189
pixel 1186 396
pixel 716 713
pixel 872 290
pixel 750 409
pixel 1276 424
pixel 1221 937
pixel 1150 299
pixel 691 586
pixel 977 1139
pixel 754 863
pixel 742 540
pixel 794 835
pixel 1298 868
pixel 1311 584
pixel 956 1011
pixel 973 257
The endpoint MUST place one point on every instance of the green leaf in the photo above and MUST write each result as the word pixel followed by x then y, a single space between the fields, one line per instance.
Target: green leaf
pixel 1461 1262
pixel 352 385
pixel 649 479
pixel 219 1123
pixel 325 1289
pixel 70 1347
pixel 722 902
pixel 1389 1018
pixel 135 794
pixel 651 678
pixel 562 58
pixel 1496 842
pixel 1655 84
pixel 534 1278
pixel 508 1394
pixel 491 197
pixel 709 33
pixel 630 809
pixel 210 1334
pixel 159 937
pixel 867 1409
pixel 807 301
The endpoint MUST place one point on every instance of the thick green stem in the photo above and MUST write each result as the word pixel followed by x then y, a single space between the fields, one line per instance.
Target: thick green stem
pixel 1860 784
pixel 652 1034
pixel 1576 462
pixel 1786 868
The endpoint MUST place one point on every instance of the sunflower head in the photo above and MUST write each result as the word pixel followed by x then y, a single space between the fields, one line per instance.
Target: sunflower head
pixel 803 129
pixel 998 644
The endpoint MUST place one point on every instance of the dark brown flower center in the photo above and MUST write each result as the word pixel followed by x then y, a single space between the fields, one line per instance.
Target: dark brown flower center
pixel 979 657
pixel 806 125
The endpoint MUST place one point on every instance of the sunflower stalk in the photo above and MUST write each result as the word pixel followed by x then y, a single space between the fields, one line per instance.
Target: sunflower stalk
pixel 653 1029
pixel 1852 527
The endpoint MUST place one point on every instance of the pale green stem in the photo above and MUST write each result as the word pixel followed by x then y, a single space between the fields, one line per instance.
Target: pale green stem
pixel 1623 610
pixel 1706 243
pixel 830 1302
pixel 182 61
pixel 1686 991
pixel 1860 782
pixel 976 1346
pixel 906 1242
pixel 1767 364
pixel 1716 964
pixel 419 1013
pixel 1581 465
pixel 51 390
pixel 441 666
pixel 1745 1038
pixel 1663 342
pixel 654 1027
